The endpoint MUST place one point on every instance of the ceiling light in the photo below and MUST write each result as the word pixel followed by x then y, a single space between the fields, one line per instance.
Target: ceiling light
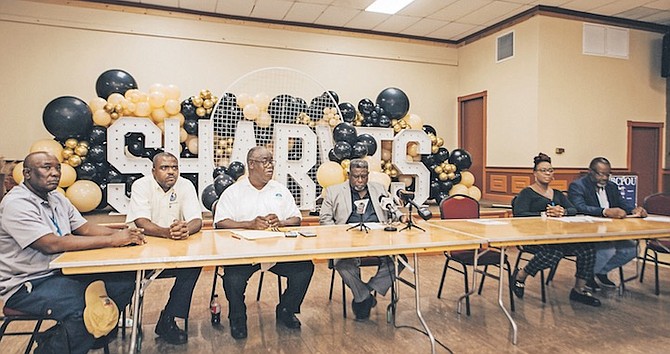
pixel 388 6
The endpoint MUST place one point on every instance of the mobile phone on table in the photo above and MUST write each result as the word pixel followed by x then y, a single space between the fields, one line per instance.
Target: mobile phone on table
pixel 291 234
pixel 306 233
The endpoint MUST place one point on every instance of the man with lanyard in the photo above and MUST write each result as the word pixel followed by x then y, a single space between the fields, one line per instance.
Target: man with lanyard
pixel 339 207
pixel 166 205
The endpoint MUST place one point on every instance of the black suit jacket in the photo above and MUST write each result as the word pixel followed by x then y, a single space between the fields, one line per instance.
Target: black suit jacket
pixel 582 194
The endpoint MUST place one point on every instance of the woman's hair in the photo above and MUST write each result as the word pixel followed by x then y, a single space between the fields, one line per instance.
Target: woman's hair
pixel 541 157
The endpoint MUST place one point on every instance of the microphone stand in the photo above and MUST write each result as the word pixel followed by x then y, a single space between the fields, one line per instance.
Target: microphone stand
pixel 361 226
pixel 410 222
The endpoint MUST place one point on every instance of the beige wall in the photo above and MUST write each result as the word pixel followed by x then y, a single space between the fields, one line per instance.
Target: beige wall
pixel 550 95
pixel 52 50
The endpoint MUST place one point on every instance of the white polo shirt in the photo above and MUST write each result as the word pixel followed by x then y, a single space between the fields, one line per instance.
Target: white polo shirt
pixel 148 200
pixel 243 202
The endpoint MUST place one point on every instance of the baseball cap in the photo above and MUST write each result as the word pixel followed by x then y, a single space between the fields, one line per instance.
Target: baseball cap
pixel 100 314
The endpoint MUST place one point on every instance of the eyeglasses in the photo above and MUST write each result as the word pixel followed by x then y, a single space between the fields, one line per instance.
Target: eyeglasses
pixel 545 170
pixel 601 174
pixel 361 176
pixel 265 162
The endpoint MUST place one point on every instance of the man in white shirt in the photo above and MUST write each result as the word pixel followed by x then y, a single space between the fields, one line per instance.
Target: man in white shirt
pixel 258 202
pixel 166 205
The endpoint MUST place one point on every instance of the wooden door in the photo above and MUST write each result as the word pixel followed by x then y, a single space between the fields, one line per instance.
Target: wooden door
pixel 472 133
pixel 644 156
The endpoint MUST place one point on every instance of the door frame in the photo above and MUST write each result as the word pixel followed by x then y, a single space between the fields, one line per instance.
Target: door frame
pixel 461 100
pixel 656 125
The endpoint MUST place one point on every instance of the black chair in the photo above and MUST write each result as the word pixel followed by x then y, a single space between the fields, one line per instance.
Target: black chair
pixel 371 261
pixel 658 204
pixel 11 315
pixel 218 273
pixel 465 207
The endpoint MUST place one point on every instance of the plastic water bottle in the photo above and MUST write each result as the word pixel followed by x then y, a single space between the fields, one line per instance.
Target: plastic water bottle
pixel 215 309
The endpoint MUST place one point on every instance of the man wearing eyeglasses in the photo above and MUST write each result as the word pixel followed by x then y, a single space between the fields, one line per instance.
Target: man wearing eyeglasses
pixel 594 194
pixel 338 208
pixel 166 205
pixel 37 224
pixel 258 202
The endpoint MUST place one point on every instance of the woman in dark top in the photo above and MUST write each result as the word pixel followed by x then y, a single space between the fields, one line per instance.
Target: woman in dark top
pixel 532 201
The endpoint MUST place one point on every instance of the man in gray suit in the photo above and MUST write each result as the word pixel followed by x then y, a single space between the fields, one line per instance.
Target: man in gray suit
pixel 338 208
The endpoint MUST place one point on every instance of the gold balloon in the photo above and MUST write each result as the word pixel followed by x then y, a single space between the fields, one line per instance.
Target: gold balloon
pixel 172 107
pixel 201 112
pixel 438 169
pixel 97 103
pixel 459 189
pixel 475 193
pixel 101 117
pixel 394 173
pixel 17 172
pixel 172 92
pixel 84 195
pixel 433 139
pixel 198 101
pixel 158 115
pixel 115 99
pixel 443 176
pixel 48 145
pixel 451 175
pixel 114 115
pixel 142 109
pixel 192 144
pixel 74 160
pixel 329 173
pixel 157 99
pixel 81 150
pixel 71 143
pixel 434 149
pixel 207 103
pixel 406 179
pixel 67 153
pixel 467 179
pixel 345 164
pixel 183 135
pixel 440 142
pixel 67 175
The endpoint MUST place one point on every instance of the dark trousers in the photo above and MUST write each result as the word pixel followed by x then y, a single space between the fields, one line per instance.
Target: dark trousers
pixel 62 297
pixel 236 278
pixel 179 303
pixel 547 256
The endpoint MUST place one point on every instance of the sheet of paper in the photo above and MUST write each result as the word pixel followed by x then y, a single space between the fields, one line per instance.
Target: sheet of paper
pixel 257 234
pixel 488 221
pixel 581 218
pixel 659 218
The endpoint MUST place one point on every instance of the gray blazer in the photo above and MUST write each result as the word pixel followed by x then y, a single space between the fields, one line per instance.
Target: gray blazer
pixel 336 206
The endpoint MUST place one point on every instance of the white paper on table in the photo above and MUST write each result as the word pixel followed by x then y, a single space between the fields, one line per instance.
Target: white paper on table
pixel 581 218
pixel 488 221
pixel 371 225
pixel 257 234
pixel 659 218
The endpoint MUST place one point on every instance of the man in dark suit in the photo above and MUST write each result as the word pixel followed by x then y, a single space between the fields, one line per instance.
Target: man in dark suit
pixel 594 194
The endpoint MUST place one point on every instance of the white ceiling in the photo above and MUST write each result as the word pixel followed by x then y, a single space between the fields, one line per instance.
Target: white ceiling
pixel 438 19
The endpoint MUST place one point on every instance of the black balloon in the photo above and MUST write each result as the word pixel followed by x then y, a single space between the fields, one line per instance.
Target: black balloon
pixel 102 170
pixel 345 132
pixel 236 169
pixel 98 135
pixel 442 155
pixel 429 129
pixel 434 188
pixel 191 126
pixel 394 102
pixel 359 150
pixel 348 111
pixel 86 171
pixel 209 197
pixel 103 201
pixel 97 153
pixel 219 170
pixel 342 150
pixel 441 196
pixel 334 95
pixel 192 177
pixel 185 153
pixel 461 159
pixel 366 106
pixel 129 183
pixel 445 186
pixel 333 157
pixel 457 178
pixel 428 160
pixel 369 142
pixel 284 109
pixel 384 121
pixel 188 109
pixel 114 176
pixel 136 148
pixel 114 81
pixel 222 182
pixel 68 117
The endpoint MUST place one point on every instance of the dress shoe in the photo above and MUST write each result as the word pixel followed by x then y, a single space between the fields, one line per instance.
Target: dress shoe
pixel 585 297
pixel 605 282
pixel 167 329
pixel 287 318
pixel 238 328
pixel 592 285
pixel 518 287
pixel 362 309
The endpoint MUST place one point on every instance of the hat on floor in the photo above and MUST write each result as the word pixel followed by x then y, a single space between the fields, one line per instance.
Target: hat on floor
pixel 100 314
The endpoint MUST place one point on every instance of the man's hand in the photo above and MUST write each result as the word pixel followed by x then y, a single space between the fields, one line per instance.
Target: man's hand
pixel 179 230
pixel 273 220
pixel 128 237
pixel 639 212
pixel 615 213
pixel 260 223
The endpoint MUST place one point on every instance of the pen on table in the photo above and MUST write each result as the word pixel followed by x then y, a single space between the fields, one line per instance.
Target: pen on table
pixel 235 236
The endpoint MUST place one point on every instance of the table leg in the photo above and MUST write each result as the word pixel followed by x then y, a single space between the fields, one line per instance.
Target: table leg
pixel 501 286
pixel 136 310
pixel 417 301
pixel 474 282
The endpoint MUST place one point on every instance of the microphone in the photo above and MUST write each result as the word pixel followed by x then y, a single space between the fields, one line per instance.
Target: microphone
pixel 387 203
pixel 361 204
pixel 404 195
pixel 424 213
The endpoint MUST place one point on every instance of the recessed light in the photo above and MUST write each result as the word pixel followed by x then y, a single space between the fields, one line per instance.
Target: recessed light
pixel 388 6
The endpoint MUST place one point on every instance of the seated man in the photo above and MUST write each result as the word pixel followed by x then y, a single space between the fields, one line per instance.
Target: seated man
pixel 36 225
pixel 338 208
pixel 166 205
pixel 258 202
pixel 594 194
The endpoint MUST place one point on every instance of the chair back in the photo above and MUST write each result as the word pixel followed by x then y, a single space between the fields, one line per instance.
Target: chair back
pixel 459 206
pixel 658 203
